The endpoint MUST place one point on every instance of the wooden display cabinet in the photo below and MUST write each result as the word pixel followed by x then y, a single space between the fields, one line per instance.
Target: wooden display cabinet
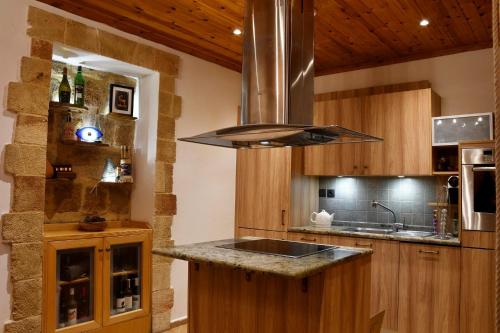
pixel 96 267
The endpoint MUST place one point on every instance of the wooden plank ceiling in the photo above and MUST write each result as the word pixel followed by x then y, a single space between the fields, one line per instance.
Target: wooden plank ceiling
pixel 349 34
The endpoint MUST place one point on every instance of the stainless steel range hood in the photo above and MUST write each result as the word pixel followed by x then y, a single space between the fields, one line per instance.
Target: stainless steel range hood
pixel 278 82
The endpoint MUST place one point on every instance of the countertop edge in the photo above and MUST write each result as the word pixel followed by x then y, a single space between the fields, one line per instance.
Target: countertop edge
pixel 331 231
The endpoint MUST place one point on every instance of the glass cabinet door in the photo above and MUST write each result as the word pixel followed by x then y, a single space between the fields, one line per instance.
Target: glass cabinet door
pixel 127 277
pixel 74 278
pixel 73 271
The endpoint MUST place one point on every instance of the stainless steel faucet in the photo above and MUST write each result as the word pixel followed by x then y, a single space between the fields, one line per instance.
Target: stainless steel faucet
pixel 396 226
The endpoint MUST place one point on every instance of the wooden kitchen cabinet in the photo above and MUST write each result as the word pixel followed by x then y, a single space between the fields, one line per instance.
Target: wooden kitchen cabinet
pixel 401 118
pixel 477 299
pixel 95 266
pixel 263 188
pixel 309 238
pixel 385 274
pixel 341 159
pixel 243 232
pixel 429 289
pixel 271 189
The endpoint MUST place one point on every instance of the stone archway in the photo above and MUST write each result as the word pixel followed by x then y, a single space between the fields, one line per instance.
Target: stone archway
pixel 25 159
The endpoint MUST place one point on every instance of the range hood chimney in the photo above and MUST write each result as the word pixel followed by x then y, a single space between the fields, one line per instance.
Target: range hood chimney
pixel 278 82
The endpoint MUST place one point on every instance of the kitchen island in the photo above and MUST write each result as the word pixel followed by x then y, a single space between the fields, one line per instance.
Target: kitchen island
pixel 247 292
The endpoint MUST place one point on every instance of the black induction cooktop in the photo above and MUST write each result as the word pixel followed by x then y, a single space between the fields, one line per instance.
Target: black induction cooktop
pixel 277 247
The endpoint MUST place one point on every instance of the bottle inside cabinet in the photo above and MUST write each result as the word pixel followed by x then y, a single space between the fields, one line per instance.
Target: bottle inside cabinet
pixel 74 301
pixel 125 278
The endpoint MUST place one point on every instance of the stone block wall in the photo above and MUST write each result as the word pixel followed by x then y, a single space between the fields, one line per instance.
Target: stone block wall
pixel 29 100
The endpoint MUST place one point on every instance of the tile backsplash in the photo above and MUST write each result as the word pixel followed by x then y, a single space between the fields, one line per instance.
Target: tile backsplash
pixel 407 197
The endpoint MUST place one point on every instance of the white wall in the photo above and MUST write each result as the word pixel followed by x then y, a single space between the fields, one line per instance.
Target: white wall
pixel 142 206
pixel 464 81
pixel 203 176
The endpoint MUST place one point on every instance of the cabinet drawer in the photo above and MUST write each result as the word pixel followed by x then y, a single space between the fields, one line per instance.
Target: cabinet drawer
pixel 309 238
pixel 244 232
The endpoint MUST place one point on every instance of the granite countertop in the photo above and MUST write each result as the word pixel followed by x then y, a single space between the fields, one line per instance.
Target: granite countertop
pixel 279 265
pixel 338 230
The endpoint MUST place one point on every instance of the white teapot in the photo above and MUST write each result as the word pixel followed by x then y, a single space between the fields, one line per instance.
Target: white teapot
pixel 322 219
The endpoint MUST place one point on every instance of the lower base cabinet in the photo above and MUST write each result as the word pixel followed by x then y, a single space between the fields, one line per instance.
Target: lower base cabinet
pixel 97 282
pixel 477 300
pixel 429 289
pixel 385 272
pixel 419 285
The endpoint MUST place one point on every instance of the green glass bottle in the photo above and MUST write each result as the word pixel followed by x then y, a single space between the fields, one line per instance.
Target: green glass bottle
pixel 64 88
pixel 79 88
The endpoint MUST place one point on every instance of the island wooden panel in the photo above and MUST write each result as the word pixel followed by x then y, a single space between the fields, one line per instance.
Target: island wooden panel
pixel 429 284
pixel 477 301
pixel 349 35
pixel 224 299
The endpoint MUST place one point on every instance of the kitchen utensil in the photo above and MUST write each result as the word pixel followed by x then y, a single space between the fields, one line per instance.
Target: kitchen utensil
pixel 322 219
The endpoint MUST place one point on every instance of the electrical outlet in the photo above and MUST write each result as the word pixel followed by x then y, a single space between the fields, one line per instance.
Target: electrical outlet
pixel 322 193
pixel 330 193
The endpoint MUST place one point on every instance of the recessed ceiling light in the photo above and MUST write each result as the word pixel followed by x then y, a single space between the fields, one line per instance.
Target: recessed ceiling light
pixel 424 22
pixel 237 32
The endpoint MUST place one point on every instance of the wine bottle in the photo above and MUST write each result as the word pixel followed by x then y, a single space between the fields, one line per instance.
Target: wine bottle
pixel 62 309
pixel 125 166
pixel 69 130
pixel 120 299
pixel 128 296
pixel 79 88
pixel 83 306
pixel 64 88
pixel 136 297
pixel 72 318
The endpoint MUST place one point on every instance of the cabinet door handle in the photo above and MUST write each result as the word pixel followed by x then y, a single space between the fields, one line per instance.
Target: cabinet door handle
pixel 308 239
pixel 364 244
pixel 108 249
pixel 283 213
pixel 428 251
pixel 100 250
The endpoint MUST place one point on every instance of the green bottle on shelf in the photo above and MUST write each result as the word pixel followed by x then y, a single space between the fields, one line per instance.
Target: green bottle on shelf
pixel 64 88
pixel 79 88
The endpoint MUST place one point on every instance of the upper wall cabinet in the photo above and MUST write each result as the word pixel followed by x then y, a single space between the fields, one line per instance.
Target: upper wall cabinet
pixel 401 115
pixel 271 190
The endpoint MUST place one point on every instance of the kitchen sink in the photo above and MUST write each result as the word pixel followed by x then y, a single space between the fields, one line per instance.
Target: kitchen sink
pixel 369 230
pixel 414 233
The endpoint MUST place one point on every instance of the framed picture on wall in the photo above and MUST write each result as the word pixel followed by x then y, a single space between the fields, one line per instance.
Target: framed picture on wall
pixel 121 100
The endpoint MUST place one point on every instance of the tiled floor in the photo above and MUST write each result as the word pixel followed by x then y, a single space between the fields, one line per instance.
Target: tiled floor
pixel 179 329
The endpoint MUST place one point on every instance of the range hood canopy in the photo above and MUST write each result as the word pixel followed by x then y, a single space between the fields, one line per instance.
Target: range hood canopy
pixel 278 82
